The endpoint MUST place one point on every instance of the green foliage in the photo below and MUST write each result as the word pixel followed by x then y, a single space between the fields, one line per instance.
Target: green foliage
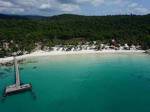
pixel 146 42
pixel 58 29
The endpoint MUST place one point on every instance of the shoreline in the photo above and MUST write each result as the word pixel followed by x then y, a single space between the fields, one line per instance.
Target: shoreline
pixel 55 53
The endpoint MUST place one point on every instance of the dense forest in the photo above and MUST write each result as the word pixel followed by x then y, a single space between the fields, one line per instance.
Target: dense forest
pixel 26 30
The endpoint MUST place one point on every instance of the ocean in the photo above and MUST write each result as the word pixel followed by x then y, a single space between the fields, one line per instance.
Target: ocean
pixel 80 83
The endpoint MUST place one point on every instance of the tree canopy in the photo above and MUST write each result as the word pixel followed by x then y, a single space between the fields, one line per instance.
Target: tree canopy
pixel 29 29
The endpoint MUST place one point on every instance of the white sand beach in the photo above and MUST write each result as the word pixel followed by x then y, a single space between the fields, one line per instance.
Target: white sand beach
pixel 53 53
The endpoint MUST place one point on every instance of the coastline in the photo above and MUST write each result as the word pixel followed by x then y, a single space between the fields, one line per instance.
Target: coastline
pixel 55 53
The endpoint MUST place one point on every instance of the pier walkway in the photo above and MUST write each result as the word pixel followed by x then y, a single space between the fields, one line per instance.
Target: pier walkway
pixel 17 87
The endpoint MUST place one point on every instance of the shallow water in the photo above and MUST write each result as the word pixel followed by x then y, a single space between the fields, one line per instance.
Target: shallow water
pixel 81 83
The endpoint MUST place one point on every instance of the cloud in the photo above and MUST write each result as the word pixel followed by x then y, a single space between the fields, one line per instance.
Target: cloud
pixel 137 9
pixel 5 4
pixel 12 6
pixel 69 7
pixel 46 7
pixel 60 6
pixel 93 2
pixel 101 2
pixel 133 5
pixel 8 7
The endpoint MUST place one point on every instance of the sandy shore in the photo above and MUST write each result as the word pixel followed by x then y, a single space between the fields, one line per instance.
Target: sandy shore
pixel 53 53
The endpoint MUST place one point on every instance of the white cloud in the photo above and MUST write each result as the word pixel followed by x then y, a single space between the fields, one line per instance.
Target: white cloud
pixel 142 10
pixel 27 3
pixel 12 6
pixel 137 9
pixel 132 5
pixel 97 2
pixel 101 2
pixel 69 7
pixel 93 2
pixel 64 7
pixel 13 10
pixel 45 6
pixel 5 4
pixel 8 7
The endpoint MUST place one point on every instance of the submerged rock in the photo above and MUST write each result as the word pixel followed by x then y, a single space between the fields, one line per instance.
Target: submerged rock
pixel 35 67
pixel 21 68
pixel 7 69
pixel 147 51
pixel 2 73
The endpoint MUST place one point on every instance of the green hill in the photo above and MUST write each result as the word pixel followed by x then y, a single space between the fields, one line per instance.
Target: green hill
pixel 29 29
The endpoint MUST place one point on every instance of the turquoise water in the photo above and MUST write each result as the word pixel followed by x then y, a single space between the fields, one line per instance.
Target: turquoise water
pixel 81 83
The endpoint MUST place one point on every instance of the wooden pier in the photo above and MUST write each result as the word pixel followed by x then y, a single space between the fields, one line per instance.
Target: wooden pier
pixel 17 87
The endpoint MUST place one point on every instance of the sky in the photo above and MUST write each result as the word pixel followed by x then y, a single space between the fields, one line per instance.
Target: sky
pixel 81 7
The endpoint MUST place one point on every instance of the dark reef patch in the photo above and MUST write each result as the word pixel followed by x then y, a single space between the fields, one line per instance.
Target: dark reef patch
pixel 35 67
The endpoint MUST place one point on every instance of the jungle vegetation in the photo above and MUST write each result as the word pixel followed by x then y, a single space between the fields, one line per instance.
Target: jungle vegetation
pixel 68 28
